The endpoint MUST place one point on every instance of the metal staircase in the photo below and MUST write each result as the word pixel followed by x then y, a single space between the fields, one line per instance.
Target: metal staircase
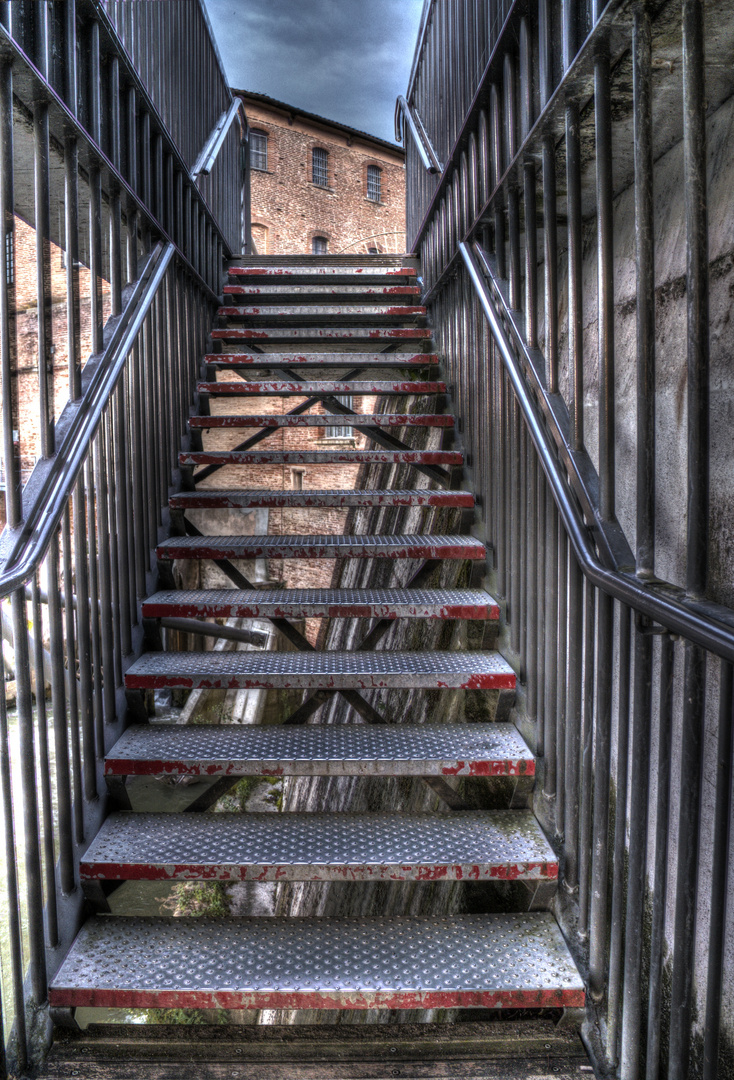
pixel 499 960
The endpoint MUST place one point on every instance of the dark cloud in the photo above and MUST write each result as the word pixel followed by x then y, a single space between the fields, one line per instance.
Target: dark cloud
pixel 343 59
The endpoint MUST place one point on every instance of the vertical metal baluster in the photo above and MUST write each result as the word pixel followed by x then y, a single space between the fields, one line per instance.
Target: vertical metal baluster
pixel 574 706
pixel 531 588
pixel 691 751
pixel 522 568
pixel 605 272
pixel 44 768
pixel 13 928
pixel 84 639
pixel 94 604
pixel 540 616
pixel 95 198
pixel 106 613
pixel 498 161
pixel 587 763
pixel 10 418
pixel 27 769
pixel 615 919
pixel 83 770
pixel 42 207
pixel 71 212
pixel 598 924
pixel 659 881
pixel 551 655
pixel 720 875
pixel 151 458
pixel 513 198
pixel 531 257
pixel 66 812
pixel 514 520
pixel 631 1048
pixel 108 459
pixel 561 684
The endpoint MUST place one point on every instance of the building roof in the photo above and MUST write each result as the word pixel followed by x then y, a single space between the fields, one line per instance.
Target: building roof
pixel 264 99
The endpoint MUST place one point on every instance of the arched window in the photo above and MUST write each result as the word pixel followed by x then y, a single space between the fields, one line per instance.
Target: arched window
pixel 259 151
pixel 319 245
pixel 374 183
pixel 320 167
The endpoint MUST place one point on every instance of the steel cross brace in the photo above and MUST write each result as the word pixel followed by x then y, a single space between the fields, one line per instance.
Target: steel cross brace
pixel 390 442
pixel 437 784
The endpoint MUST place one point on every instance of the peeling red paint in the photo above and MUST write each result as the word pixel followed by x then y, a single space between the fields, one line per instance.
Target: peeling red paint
pixel 317 359
pixel 93 997
pixel 308 389
pixel 306 457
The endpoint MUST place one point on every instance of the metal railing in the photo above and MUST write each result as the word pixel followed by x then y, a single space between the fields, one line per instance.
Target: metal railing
pixel 121 193
pixel 537 241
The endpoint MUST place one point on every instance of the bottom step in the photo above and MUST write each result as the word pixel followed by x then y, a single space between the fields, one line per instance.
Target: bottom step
pixel 470 961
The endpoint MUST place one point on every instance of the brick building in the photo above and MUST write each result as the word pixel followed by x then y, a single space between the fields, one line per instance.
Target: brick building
pixel 320 187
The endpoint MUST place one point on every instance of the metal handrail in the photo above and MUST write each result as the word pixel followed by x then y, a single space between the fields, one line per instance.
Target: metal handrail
pixel 420 138
pixel 678 616
pixel 210 151
pixel 58 474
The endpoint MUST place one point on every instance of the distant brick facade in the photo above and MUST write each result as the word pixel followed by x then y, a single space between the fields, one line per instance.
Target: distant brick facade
pixel 289 209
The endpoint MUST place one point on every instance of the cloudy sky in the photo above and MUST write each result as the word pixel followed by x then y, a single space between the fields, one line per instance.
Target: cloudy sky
pixel 343 59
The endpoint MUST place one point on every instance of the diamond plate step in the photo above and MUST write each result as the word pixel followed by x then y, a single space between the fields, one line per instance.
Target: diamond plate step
pixel 320 670
pixel 327 603
pixel 186 500
pixel 489 961
pixel 265 293
pixel 503 844
pixel 321 360
pixel 336 455
pixel 322 546
pixel 321 750
pixel 334 314
pixel 321 387
pixel 324 333
pixel 325 420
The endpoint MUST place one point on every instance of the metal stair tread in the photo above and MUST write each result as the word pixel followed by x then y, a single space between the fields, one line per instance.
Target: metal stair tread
pixel 305 603
pixel 324 333
pixel 515 960
pixel 335 455
pixel 324 387
pixel 360 272
pixel 502 844
pixel 436 420
pixel 265 292
pixel 326 311
pixel 324 670
pixel 480 749
pixel 407 546
pixel 321 359
pixel 319 497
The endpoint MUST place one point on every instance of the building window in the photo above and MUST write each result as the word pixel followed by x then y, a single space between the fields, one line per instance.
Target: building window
pixel 259 151
pixel 372 251
pixel 320 163
pixel 297 479
pixel 345 432
pixel 9 258
pixel 374 183
pixel 319 245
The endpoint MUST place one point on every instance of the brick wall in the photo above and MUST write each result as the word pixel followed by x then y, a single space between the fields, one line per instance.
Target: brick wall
pixel 288 209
